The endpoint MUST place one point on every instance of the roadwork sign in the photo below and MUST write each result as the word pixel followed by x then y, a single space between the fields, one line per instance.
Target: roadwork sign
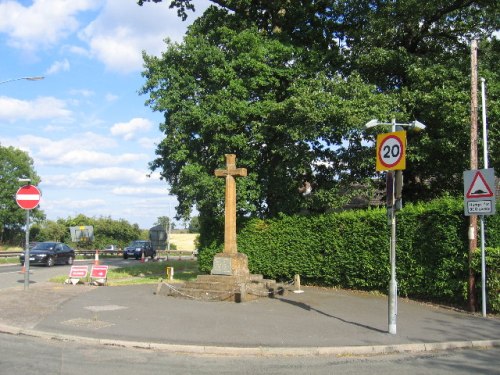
pixel 479 192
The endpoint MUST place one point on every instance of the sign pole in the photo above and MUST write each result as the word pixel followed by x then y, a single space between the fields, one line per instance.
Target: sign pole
pixel 483 268
pixel 28 198
pixel 27 253
pixel 485 157
pixel 391 157
pixel 393 284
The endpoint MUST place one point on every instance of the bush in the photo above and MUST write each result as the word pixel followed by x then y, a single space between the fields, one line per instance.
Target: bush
pixel 350 249
pixel 492 277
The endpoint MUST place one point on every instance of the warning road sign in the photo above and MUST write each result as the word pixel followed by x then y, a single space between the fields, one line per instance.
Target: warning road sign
pixel 391 151
pixel 479 188
pixel 479 192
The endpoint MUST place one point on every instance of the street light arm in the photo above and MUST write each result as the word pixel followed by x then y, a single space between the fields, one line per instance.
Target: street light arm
pixel 34 78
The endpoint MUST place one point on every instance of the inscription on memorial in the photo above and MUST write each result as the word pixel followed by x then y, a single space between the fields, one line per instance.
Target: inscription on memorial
pixel 222 266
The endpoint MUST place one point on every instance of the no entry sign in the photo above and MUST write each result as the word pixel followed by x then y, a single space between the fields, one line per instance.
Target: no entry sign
pixel 28 197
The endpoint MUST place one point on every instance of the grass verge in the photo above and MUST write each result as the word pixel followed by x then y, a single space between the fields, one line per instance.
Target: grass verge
pixel 147 273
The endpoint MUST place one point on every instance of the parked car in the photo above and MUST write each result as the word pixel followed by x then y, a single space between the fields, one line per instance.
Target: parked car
pixel 111 248
pixel 50 253
pixel 137 248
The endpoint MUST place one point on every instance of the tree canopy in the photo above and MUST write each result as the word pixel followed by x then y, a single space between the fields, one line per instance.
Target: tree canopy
pixel 14 164
pixel 288 87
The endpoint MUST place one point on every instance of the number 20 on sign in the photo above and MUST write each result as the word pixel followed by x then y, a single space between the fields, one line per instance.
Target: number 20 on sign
pixel 391 151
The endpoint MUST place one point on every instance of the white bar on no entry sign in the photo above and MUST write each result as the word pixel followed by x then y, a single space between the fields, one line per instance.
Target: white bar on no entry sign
pixel 28 197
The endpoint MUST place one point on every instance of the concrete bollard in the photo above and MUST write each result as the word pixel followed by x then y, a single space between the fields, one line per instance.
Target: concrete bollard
pixel 170 273
pixel 296 281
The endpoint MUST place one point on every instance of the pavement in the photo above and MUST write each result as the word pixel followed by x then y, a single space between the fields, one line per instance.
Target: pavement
pixel 317 322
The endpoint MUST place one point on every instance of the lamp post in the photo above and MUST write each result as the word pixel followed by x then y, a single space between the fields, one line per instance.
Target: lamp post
pixel 34 78
pixel 393 286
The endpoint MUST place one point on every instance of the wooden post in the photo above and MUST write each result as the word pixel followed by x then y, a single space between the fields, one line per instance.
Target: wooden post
pixel 473 165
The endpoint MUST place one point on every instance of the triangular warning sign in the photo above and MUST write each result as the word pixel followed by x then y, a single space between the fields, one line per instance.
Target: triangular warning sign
pixel 479 187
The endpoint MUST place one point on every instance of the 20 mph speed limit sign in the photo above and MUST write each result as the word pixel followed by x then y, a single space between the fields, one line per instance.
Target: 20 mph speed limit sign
pixel 391 151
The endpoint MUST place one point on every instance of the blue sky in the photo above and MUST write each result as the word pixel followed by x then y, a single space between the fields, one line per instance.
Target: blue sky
pixel 84 124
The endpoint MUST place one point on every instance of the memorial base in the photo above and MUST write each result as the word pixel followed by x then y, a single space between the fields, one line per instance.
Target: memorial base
pixel 235 264
pixel 229 280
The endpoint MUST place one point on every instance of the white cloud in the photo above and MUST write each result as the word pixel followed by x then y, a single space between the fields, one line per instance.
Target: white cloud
pixel 43 23
pixel 58 66
pixel 141 191
pixel 111 97
pixel 123 30
pixel 82 92
pixel 127 130
pixel 40 108
pixel 148 142
pixel 113 174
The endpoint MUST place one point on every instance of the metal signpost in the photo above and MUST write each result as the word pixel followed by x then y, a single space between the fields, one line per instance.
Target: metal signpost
pixel 28 198
pixel 479 199
pixel 391 157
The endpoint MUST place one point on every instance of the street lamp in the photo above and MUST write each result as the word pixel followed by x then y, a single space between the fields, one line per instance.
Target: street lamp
pixel 35 78
pixel 391 181
pixel 412 125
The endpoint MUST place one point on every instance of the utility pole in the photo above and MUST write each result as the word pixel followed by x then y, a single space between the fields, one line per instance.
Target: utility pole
pixel 473 166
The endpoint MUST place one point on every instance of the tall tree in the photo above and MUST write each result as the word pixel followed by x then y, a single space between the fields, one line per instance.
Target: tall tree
pixel 415 52
pixel 228 88
pixel 14 164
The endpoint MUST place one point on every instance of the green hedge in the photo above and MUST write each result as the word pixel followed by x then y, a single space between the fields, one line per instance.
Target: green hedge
pixel 350 249
pixel 492 278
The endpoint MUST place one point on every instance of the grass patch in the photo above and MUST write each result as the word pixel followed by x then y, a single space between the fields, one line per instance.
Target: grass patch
pixel 147 273
pixel 13 260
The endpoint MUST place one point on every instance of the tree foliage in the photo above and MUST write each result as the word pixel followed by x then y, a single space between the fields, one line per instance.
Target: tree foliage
pixel 287 88
pixel 14 164
pixel 233 90
pixel 107 231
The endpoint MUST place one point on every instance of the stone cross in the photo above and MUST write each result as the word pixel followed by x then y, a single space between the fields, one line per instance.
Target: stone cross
pixel 230 173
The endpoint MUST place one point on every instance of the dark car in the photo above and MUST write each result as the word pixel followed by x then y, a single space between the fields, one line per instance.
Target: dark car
pixel 137 248
pixel 50 253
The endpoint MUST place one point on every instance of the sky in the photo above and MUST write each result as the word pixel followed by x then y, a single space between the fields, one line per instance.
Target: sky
pixel 85 125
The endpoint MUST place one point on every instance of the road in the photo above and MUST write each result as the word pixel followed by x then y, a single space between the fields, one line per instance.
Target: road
pixel 24 355
pixel 28 355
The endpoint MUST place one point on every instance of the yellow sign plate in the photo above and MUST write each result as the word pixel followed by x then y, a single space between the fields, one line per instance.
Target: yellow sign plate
pixel 391 151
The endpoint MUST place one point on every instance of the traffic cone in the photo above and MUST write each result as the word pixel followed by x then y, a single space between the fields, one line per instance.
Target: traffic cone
pixel 142 257
pixel 96 258
pixel 23 268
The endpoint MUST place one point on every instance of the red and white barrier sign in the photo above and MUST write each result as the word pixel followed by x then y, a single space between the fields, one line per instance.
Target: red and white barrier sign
pixel 99 272
pixel 78 272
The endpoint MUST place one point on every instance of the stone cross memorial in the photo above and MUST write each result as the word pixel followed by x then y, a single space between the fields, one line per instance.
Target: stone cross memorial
pixel 230 262
pixel 230 279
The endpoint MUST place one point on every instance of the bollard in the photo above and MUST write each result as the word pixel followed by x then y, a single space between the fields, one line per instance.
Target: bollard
pixel 296 281
pixel 170 273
